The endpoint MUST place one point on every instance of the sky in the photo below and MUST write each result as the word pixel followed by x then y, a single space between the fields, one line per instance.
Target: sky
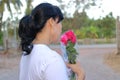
pixel 107 7
pixel 94 12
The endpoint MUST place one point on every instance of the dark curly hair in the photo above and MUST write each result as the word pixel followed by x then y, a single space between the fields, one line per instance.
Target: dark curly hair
pixel 31 24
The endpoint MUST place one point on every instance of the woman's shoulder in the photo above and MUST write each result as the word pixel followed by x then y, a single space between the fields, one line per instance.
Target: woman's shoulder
pixel 44 53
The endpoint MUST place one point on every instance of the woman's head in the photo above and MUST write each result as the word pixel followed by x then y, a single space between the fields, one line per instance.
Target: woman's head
pixel 44 18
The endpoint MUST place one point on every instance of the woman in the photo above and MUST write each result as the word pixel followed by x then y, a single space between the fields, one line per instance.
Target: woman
pixel 36 31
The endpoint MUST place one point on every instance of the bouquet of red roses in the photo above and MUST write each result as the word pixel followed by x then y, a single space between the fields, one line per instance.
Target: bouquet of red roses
pixel 68 41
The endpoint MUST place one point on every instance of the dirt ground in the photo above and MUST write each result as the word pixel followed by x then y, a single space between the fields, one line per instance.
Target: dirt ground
pixel 93 57
pixel 9 59
pixel 113 61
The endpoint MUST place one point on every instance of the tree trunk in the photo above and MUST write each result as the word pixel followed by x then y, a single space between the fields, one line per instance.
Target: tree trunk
pixel 1 16
pixel 5 35
pixel 118 35
pixel 5 42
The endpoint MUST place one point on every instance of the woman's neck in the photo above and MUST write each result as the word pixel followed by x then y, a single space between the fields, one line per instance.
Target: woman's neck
pixel 41 39
pixel 36 41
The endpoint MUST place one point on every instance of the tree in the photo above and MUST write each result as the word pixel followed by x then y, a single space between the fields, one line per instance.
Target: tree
pixel 67 24
pixel 17 4
pixel 80 20
pixel 118 35
pixel 76 5
pixel 106 26
pixel 29 7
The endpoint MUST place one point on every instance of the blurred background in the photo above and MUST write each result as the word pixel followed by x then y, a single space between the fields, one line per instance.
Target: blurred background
pixel 95 22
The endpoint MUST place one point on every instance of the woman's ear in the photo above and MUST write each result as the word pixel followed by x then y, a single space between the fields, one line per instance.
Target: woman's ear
pixel 51 22
pixel 51 25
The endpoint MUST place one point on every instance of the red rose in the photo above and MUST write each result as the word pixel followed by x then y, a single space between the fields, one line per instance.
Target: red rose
pixel 64 39
pixel 68 36
pixel 71 36
pixel 73 40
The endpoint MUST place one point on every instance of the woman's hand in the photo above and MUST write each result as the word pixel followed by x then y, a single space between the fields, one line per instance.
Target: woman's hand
pixel 78 70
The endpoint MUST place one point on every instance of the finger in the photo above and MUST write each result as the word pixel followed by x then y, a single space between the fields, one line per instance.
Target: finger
pixel 67 64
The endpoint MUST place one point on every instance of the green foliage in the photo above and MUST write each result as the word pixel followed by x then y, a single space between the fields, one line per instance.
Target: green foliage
pixel 67 24
pixel 80 20
pixel 106 26
pixel 1 38
pixel 84 27
pixel 87 32
pixel 29 7
pixel 71 52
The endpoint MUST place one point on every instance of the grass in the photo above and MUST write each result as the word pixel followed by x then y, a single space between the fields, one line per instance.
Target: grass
pixel 113 61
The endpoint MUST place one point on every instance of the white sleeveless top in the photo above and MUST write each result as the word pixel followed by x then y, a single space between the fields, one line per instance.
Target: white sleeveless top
pixel 42 64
